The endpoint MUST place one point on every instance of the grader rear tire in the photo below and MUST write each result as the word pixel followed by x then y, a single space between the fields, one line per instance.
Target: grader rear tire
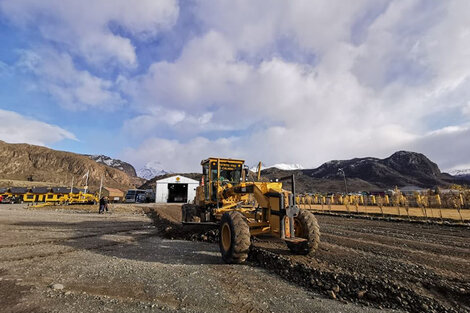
pixel 234 237
pixel 306 226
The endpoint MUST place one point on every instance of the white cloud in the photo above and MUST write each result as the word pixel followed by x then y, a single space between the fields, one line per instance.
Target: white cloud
pixel 86 27
pixel 4 69
pixel 175 156
pixel 74 89
pixel 370 95
pixel 16 128
pixel 448 147
pixel 466 109
pixel 180 122
pixel 293 82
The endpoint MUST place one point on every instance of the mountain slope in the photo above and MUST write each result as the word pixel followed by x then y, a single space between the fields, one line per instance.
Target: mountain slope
pixel 23 161
pixel 401 168
pixel 114 163
pixel 366 174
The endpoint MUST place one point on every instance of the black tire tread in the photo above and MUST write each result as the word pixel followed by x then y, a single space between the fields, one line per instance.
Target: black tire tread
pixel 241 237
pixel 310 224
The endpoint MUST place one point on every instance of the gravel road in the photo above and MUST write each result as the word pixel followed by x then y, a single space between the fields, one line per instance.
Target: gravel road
pixel 71 261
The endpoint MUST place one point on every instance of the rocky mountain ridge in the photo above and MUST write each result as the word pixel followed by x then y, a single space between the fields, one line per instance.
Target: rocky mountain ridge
pixel 114 163
pixel 366 174
pixel 461 173
pixel 23 162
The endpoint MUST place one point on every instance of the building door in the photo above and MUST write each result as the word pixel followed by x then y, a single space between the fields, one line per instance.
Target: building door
pixel 177 193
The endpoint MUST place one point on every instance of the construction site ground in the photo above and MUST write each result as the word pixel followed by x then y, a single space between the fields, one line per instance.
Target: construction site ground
pixel 138 258
pixel 71 259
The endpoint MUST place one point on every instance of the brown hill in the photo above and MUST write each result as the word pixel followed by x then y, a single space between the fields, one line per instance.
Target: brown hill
pixel 28 162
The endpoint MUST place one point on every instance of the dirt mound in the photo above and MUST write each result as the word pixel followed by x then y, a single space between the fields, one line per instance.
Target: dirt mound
pixel 416 268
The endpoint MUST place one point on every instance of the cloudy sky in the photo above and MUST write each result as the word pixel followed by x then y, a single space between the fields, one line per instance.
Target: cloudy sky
pixel 279 81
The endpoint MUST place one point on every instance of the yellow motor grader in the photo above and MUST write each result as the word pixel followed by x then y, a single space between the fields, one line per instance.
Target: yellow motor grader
pixel 242 208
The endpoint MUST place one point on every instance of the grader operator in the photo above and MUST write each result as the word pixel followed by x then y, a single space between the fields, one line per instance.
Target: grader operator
pixel 243 208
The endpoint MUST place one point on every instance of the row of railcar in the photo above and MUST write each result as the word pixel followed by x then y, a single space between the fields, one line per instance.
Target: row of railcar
pixel 46 195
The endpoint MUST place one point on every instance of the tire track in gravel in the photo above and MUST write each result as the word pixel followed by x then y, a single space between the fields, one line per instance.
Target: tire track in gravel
pixel 384 266
pixel 71 250
pixel 461 235
pixel 427 233
pixel 403 248
pixel 81 230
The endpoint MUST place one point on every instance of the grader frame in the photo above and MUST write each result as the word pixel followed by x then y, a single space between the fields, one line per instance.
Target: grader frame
pixel 242 208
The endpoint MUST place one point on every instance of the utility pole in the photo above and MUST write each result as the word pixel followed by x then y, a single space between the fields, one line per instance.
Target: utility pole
pixel 344 177
pixel 86 183
pixel 101 187
pixel 71 188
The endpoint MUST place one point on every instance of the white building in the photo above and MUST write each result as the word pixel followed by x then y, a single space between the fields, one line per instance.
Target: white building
pixel 175 189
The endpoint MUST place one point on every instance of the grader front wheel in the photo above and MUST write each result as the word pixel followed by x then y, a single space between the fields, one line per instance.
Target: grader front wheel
pixel 234 237
pixel 306 226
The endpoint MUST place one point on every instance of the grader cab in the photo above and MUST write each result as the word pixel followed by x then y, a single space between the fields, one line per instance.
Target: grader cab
pixel 242 208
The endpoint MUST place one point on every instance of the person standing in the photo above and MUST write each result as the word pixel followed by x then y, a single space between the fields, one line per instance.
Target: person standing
pixel 102 205
pixel 106 202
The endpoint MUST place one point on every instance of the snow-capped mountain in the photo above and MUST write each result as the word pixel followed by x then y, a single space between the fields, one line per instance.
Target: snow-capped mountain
pixel 114 163
pixel 152 169
pixel 460 172
pixel 281 166
pixel 288 167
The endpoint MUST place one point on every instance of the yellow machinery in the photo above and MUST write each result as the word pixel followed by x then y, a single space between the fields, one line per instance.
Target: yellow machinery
pixel 242 208
pixel 60 195
pixel 81 198
pixel 14 194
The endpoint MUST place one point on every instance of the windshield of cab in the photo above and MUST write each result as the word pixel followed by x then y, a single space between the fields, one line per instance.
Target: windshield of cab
pixel 233 176
pixel 229 173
